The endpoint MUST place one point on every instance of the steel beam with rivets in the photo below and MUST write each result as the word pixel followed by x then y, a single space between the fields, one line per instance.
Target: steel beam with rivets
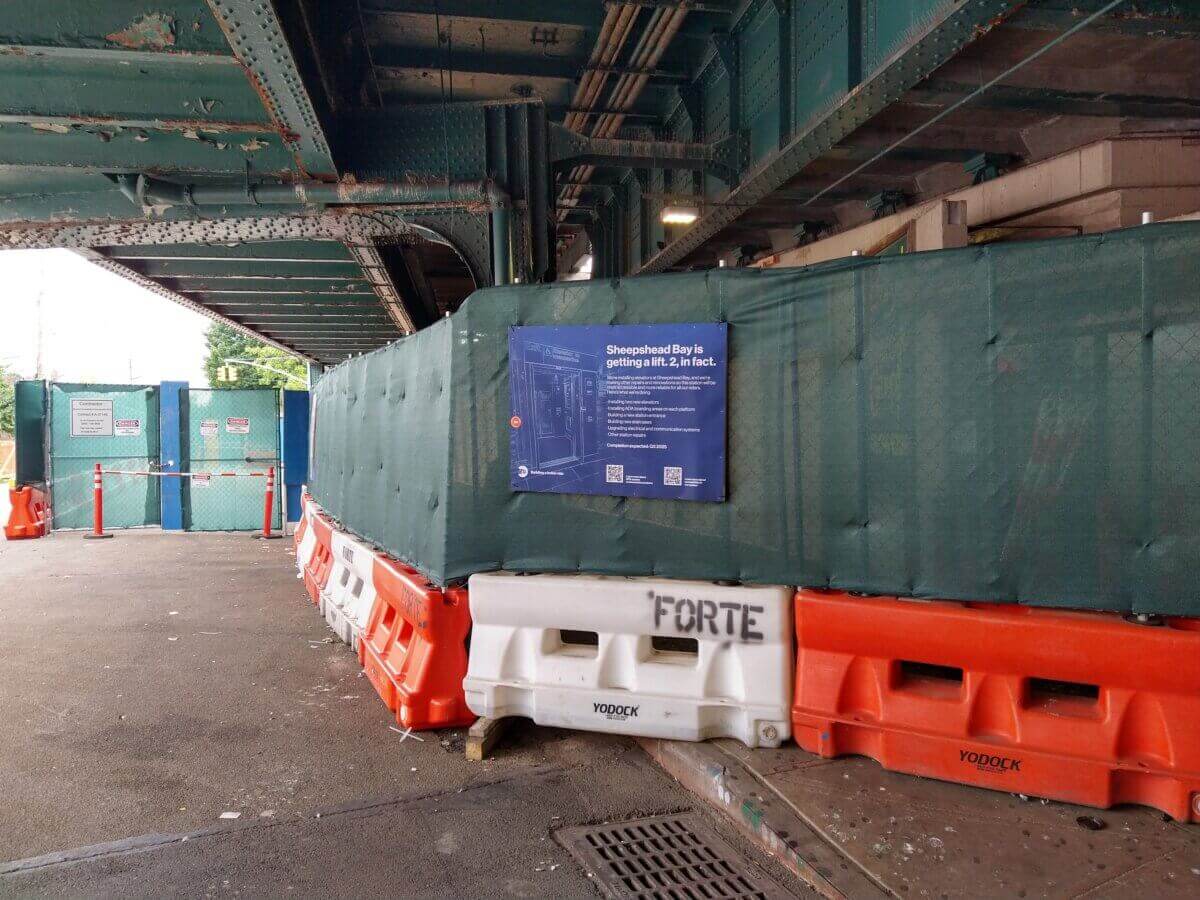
pixel 923 55
pixel 256 36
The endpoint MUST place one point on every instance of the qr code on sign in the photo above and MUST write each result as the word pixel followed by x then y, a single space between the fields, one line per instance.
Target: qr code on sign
pixel 672 476
pixel 614 474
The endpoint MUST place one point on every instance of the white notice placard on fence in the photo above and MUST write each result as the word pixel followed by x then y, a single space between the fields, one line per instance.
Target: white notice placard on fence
pixel 237 425
pixel 91 418
pixel 128 427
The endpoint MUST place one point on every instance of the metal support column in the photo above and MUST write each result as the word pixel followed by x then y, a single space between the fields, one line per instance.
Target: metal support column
pixel 170 448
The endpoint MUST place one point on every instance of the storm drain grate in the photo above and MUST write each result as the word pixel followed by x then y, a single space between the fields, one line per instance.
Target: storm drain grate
pixel 664 858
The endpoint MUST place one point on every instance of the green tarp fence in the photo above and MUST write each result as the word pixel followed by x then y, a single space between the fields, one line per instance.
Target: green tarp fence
pixel 30 428
pixel 1015 423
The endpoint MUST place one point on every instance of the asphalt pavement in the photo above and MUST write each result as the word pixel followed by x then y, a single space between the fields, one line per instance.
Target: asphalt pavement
pixel 176 720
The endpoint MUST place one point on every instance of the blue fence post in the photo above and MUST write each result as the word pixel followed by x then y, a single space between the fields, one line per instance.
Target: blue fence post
pixel 170 442
pixel 295 449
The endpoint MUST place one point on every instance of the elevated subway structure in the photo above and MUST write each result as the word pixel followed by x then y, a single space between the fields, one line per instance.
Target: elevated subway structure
pixel 996 444
pixel 330 182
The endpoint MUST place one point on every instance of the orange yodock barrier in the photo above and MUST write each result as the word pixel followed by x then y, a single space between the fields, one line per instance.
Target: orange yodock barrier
pixel 320 563
pixel 303 538
pixel 414 648
pixel 29 516
pixel 1076 706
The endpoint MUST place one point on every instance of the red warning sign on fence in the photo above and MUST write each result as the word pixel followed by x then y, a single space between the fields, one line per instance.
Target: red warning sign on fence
pixel 236 425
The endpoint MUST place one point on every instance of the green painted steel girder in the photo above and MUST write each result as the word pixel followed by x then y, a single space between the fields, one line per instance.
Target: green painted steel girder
pixel 103 148
pixel 266 285
pixel 227 267
pixel 723 158
pixel 256 35
pixel 586 14
pixel 579 13
pixel 264 251
pixel 267 303
pixel 269 310
pixel 518 66
pixel 182 26
pixel 1178 19
pixel 317 327
pixel 330 347
pixel 196 91
pixel 942 39
pixel 941 92
pixel 273 314
pixel 225 295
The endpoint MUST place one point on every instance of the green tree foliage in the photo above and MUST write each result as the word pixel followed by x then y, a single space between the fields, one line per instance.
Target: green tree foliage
pixel 227 343
pixel 7 401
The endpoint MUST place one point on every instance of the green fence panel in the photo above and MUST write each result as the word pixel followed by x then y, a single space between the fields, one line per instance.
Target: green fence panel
pixel 30 431
pixel 382 445
pixel 230 431
pixel 116 426
pixel 1016 423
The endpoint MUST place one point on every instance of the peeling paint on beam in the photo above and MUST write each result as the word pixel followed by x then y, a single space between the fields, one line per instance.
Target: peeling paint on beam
pixel 117 56
pixel 256 36
pixel 213 126
pixel 218 292
pixel 149 30
pixel 342 225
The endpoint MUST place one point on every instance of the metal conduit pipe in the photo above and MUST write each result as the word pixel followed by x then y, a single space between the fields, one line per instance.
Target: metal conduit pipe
pixel 653 41
pixel 655 38
pixel 618 24
pixel 145 191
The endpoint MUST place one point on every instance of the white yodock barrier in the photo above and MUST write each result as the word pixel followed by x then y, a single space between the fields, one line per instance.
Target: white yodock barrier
pixel 688 660
pixel 308 539
pixel 350 592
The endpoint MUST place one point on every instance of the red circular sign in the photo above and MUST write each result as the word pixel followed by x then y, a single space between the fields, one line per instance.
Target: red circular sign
pixel 515 421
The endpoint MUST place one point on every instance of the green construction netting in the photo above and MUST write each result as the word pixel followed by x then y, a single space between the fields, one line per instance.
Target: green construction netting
pixel 30 415
pixel 1014 423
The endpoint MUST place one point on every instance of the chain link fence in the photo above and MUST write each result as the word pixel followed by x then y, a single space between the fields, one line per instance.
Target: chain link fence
pixel 116 426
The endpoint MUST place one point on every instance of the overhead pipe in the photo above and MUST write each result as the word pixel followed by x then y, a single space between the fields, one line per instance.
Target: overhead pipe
pixel 619 21
pixel 655 38
pixel 145 191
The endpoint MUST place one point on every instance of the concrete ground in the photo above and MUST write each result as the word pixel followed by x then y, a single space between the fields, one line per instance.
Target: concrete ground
pixel 839 822
pixel 153 682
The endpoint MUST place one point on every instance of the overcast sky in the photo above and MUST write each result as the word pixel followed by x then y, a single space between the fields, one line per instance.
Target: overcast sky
pixel 96 326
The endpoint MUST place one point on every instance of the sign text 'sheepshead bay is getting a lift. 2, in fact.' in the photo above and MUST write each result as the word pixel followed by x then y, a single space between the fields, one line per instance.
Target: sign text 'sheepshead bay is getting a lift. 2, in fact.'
pixel 621 410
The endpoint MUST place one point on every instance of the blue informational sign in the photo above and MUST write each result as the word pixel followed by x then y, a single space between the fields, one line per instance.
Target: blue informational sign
pixel 626 410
